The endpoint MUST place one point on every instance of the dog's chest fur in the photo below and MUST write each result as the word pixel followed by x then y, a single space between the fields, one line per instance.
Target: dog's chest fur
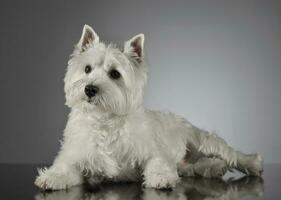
pixel 104 144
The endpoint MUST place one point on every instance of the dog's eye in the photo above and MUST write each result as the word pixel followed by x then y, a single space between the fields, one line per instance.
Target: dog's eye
pixel 114 74
pixel 88 69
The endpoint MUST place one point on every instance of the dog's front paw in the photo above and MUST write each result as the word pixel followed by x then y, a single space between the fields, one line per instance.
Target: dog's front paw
pixel 50 179
pixel 161 181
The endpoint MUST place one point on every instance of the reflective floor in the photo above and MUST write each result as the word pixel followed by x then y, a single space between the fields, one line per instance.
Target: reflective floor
pixel 17 183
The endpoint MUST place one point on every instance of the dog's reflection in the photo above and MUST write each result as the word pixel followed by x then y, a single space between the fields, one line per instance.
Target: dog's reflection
pixel 188 188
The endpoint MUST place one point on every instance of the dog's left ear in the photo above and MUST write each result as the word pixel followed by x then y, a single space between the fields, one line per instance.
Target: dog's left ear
pixel 134 47
pixel 88 38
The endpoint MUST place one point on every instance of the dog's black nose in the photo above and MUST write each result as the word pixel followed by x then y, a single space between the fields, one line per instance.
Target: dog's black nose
pixel 91 90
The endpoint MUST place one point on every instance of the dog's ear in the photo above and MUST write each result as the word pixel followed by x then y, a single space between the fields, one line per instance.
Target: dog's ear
pixel 134 47
pixel 88 38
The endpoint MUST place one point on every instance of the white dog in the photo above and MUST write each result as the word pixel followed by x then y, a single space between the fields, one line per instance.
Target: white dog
pixel 109 136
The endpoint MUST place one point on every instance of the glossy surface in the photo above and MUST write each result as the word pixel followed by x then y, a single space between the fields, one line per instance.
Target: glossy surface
pixel 17 183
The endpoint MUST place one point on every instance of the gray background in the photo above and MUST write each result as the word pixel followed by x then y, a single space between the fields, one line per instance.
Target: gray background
pixel 217 63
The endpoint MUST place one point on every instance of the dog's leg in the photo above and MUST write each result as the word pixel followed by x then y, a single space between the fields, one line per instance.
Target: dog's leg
pixel 61 175
pixel 205 167
pixel 212 145
pixel 159 174
pixel 210 167
pixel 250 164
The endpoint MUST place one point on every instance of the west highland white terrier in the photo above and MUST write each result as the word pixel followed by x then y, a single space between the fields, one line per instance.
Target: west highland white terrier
pixel 109 135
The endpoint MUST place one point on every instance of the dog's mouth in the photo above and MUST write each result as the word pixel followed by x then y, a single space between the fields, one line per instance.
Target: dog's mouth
pixel 90 100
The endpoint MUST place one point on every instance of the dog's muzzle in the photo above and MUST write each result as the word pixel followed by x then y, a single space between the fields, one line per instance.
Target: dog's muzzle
pixel 91 90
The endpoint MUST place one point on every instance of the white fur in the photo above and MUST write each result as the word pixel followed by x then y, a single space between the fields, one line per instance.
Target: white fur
pixel 112 136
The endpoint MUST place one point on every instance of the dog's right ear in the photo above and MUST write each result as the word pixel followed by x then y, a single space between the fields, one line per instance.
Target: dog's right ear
pixel 88 38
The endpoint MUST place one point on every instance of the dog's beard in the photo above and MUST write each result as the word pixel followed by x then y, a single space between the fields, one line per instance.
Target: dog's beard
pixel 109 100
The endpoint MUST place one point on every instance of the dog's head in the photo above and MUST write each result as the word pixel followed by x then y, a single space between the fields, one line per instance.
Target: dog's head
pixel 102 78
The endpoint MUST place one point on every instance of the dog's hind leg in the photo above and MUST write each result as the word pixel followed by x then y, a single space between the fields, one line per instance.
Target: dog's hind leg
pixel 210 167
pixel 212 145
pixel 205 167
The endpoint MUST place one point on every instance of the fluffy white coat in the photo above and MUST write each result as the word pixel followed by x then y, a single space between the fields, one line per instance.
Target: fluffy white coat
pixel 109 136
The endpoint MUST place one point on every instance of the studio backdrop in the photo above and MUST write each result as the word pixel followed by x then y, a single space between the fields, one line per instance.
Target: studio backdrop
pixel 217 63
